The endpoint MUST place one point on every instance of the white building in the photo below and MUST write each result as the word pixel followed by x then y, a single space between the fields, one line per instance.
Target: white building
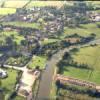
pixel 3 73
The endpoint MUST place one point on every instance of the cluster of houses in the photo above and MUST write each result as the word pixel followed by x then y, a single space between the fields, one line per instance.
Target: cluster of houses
pixel 94 16
pixel 53 26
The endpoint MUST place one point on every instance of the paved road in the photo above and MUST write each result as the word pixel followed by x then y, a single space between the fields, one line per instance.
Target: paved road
pixel 47 76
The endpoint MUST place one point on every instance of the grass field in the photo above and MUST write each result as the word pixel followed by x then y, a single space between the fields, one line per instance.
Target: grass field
pixel 37 61
pixel 6 11
pixel 9 83
pixel 21 3
pixel 86 30
pixel 19 98
pixel 15 3
pixel 22 24
pixel 89 56
pixel 49 41
pixel 45 3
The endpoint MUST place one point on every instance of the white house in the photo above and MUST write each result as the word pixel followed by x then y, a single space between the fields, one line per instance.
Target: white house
pixel 3 73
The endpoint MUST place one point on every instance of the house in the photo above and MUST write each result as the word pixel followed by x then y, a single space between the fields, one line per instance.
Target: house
pixel 3 73
pixel 73 40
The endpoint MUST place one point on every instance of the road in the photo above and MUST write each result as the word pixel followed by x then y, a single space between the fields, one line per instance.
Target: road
pixel 47 76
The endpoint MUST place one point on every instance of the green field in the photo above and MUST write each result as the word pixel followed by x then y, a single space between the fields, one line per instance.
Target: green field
pixel 6 11
pixel 22 24
pixel 86 30
pixel 19 98
pixel 15 3
pixel 9 83
pixel 44 3
pixel 49 41
pixel 22 3
pixel 89 56
pixel 37 61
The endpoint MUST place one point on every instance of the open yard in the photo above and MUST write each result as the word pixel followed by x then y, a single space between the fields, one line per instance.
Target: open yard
pixel 47 41
pixel 43 3
pixel 89 56
pixel 37 61
pixel 22 24
pixel 9 83
pixel 15 3
pixel 6 11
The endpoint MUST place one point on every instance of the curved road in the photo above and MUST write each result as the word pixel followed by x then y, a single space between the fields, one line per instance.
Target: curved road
pixel 47 76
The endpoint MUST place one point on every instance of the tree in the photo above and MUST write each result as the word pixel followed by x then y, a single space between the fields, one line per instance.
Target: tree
pixel 9 41
pixel 1 27
pixel 24 42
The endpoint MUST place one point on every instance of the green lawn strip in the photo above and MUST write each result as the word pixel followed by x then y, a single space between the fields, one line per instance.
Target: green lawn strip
pixel 15 3
pixel 38 61
pixel 43 3
pixel 49 41
pixel 19 98
pixel 36 4
pixel 86 30
pixel 22 24
pixel 53 91
pixel 6 11
pixel 18 39
pixel 9 83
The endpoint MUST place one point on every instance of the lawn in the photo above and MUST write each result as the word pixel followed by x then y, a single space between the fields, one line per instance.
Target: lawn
pixel 9 83
pixel 49 41
pixel 38 61
pixel 19 98
pixel 15 3
pixel 86 30
pixel 89 56
pixel 22 24
pixel 6 11
pixel 45 3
